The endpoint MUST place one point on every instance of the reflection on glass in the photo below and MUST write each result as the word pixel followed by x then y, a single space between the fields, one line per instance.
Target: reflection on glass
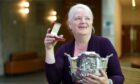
pixel 133 39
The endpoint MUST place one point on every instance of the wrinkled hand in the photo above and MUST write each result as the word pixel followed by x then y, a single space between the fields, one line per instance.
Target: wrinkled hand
pixel 51 40
pixel 93 79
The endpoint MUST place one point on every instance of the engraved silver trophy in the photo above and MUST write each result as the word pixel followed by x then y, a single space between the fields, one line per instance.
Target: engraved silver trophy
pixel 87 63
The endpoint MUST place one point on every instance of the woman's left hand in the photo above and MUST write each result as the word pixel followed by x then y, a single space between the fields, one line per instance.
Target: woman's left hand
pixel 94 79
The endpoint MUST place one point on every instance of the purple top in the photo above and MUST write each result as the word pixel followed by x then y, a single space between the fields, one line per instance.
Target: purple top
pixel 60 71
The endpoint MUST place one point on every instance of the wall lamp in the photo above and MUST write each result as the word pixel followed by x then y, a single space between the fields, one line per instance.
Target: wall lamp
pixel 52 16
pixel 24 8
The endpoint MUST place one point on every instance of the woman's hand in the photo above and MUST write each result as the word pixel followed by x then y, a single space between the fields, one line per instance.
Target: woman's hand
pixel 51 40
pixel 93 79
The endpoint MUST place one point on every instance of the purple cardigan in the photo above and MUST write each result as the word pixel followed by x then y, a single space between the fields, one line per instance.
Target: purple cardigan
pixel 60 72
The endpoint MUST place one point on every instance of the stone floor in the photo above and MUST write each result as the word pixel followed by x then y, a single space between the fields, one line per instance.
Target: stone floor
pixel 126 60
pixel 32 78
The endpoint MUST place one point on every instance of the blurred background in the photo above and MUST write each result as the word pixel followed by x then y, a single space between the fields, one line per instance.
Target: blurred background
pixel 23 25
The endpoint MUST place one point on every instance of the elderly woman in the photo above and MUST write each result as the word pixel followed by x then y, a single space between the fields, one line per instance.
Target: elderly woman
pixel 80 22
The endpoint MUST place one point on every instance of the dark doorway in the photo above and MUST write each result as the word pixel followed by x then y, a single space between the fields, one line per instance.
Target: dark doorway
pixel 130 39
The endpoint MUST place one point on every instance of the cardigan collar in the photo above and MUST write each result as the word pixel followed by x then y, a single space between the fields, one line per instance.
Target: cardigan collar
pixel 70 47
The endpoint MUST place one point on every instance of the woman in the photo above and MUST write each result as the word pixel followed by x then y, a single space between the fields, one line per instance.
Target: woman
pixel 80 22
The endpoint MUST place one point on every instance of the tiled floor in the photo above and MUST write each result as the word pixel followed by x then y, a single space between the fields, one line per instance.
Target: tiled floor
pixel 32 78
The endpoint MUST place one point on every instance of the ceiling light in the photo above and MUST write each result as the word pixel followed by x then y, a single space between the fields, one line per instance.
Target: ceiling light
pixel 133 3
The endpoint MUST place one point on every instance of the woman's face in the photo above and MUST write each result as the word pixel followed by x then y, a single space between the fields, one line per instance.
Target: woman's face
pixel 81 24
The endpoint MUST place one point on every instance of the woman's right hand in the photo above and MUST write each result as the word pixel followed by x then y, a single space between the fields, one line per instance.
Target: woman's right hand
pixel 51 40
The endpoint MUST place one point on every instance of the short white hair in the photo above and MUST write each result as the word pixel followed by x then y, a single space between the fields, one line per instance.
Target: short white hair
pixel 74 8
